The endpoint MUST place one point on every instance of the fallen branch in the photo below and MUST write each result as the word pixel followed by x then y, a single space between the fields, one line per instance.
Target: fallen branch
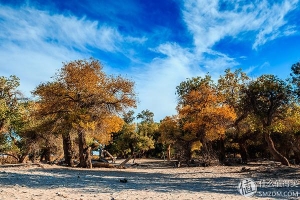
pixel 21 165
pixel 7 154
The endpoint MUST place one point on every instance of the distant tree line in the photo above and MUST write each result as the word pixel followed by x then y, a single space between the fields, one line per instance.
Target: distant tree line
pixel 82 108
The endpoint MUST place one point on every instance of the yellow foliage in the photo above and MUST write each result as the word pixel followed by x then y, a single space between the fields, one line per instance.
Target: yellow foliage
pixel 289 124
pixel 83 96
pixel 204 114
pixel 169 130
pixel 196 145
pixel 107 127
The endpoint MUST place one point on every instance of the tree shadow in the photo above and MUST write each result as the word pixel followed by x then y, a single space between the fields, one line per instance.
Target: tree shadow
pixel 108 181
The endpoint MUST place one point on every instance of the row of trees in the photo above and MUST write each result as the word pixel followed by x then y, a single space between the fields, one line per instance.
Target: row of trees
pixel 83 107
pixel 235 108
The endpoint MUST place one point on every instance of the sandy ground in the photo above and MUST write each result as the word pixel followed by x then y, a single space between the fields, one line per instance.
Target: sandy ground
pixel 151 179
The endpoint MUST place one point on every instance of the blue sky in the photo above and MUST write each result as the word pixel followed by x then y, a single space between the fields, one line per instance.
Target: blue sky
pixel 156 43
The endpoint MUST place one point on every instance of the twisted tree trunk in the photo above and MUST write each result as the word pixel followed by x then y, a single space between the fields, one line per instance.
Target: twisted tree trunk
pixel 277 156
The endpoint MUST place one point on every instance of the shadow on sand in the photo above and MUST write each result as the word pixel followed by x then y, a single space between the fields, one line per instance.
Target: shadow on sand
pixel 98 180
pixel 110 180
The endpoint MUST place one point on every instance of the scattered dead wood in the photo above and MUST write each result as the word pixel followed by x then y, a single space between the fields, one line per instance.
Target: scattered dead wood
pixel 102 164
pixel 122 165
pixel 22 165
pixel 244 169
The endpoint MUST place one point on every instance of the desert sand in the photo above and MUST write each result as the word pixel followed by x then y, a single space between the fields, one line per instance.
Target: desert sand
pixel 148 179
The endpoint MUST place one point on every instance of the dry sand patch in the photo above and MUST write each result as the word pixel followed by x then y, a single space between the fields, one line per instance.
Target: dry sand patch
pixel 148 180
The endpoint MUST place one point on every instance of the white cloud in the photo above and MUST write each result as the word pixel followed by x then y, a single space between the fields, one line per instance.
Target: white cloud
pixel 34 43
pixel 209 24
pixel 28 26
pixel 217 61
pixel 274 24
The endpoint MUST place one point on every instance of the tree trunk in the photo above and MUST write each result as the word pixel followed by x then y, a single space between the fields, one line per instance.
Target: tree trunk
pixel 221 150
pixel 88 157
pixel 46 155
pixel 100 152
pixel 84 150
pixel 67 146
pixel 2 122
pixel 188 152
pixel 297 157
pixel 42 156
pixel 205 149
pixel 296 151
pixel 296 154
pixel 278 156
pixel 22 158
pixel 169 152
pixel 32 157
pixel 132 148
pixel 243 152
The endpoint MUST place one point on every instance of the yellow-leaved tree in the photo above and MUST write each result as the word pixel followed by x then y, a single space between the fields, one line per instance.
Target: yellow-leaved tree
pixel 169 132
pixel 85 99
pixel 203 115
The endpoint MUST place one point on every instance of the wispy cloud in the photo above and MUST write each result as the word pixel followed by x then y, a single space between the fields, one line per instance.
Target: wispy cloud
pixel 252 70
pixel 211 21
pixel 28 25
pixel 34 43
